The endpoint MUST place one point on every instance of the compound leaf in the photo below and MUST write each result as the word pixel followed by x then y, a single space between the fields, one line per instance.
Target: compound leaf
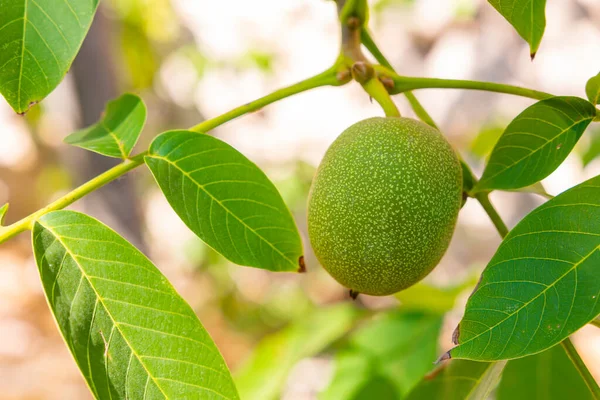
pixel 536 142
pixel 226 200
pixel 265 373
pixel 542 284
pixel 118 130
pixel 528 17
pixel 130 333
pixel 459 380
pixel 38 41
pixel 549 375
pixel 592 89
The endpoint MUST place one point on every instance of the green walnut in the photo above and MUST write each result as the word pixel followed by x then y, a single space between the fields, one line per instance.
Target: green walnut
pixel 383 204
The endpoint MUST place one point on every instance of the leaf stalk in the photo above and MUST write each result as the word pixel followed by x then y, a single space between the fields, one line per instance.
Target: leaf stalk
pixel 581 367
pixel 407 83
pixel 484 200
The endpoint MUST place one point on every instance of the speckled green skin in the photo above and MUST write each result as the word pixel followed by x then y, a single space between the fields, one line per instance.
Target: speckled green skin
pixel 383 204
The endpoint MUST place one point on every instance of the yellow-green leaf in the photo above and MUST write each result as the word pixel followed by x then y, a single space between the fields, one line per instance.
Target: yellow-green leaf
pixel 459 380
pixel 549 375
pixel 385 358
pixel 264 374
pixel 592 89
pixel 131 334
pixel 118 130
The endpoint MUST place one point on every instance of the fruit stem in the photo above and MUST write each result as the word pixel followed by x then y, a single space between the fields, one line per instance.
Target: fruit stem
pixel 405 83
pixel 332 76
pixel 484 200
pixel 377 91
pixel 353 15
pixel 581 367
pixel 353 8
pixel 419 110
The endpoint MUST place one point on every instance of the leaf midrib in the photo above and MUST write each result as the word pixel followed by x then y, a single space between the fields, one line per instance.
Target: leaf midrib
pixel 101 300
pixel 292 262
pixel 518 310
pixel 22 54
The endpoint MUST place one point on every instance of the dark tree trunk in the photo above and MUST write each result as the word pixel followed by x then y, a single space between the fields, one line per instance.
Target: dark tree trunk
pixel 116 204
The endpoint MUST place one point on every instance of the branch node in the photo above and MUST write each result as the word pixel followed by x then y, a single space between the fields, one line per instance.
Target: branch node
pixel 362 71
pixel 353 23
pixel 344 76
pixel 387 82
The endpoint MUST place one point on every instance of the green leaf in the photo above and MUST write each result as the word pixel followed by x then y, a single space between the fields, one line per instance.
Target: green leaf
pixel 592 89
pixel 431 299
pixel 130 333
pixel 536 142
pixel 542 284
pixel 3 211
pixel 459 380
pixel 468 179
pixel 528 17
pixel 265 373
pixel 118 130
pixel 226 200
pixel 389 355
pixel 484 142
pixel 537 188
pixel 593 150
pixel 550 375
pixel 38 42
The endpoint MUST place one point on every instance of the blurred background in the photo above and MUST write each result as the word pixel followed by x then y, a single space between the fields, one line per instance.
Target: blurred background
pixel 195 59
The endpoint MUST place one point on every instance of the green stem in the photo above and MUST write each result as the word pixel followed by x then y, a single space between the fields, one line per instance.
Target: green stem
pixel 353 8
pixel 484 200
pixel 328 77
pixel 580 365
pixel 405 83
pixel 91 185
pixel 377 91
pixel 419 110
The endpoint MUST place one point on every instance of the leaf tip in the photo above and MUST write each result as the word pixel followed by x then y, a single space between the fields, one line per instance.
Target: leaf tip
pixel 301 265
pixel 23 111
pixel 443 357
pixel 353 294
pixel 532 54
